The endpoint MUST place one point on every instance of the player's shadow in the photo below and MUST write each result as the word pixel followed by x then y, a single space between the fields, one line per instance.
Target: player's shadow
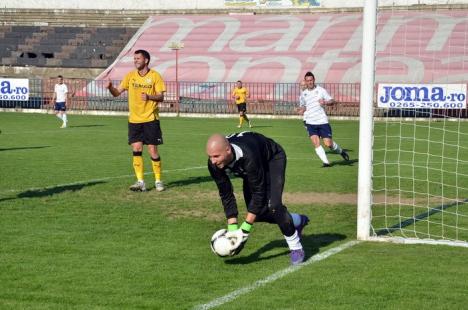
pixel 189 181
pixel 50 191
pixel 343 162
pixel 310 243
pixel 24 148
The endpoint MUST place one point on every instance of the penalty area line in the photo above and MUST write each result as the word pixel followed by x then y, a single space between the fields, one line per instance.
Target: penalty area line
pixel 271 278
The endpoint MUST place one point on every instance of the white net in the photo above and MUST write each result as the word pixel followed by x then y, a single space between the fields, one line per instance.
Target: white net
pixel 420 147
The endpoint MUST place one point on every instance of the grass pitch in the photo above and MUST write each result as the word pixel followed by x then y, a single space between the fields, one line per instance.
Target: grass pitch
pixel 73 237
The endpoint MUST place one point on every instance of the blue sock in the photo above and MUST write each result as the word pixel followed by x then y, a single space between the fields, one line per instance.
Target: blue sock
pixel 296 219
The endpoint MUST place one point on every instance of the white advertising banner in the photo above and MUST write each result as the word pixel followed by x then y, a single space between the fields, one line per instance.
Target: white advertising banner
pixel 14 89
pixel 422 96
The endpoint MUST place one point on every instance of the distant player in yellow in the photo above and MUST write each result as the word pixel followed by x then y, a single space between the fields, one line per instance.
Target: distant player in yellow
pixel 146 90
pixel 240 94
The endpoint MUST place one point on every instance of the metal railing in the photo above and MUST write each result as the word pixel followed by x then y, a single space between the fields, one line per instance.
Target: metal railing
pixel 194 97
pixel 210 98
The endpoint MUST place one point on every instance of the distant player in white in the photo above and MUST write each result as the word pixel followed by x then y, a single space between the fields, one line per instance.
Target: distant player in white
pixel 60 101
pixel 311 103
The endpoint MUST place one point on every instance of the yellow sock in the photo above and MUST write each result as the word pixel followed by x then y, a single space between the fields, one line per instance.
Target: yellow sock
pixel 241 120
pixel 138 166
pixel 156 163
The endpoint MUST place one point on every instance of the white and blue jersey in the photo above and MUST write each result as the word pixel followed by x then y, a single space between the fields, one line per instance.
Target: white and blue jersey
pixel 61 92
pixel 314 113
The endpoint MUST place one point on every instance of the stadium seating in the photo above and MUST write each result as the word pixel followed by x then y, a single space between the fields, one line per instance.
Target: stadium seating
pixel 67 47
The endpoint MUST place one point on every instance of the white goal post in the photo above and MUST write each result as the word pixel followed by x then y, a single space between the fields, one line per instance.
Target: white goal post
pixel 413 161
pixel 366 119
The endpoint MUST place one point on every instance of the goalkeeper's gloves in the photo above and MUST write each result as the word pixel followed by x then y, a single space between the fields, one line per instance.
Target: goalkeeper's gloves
pixel 240 237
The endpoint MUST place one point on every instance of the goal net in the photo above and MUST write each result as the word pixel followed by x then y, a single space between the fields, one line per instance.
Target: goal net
pixel 417 188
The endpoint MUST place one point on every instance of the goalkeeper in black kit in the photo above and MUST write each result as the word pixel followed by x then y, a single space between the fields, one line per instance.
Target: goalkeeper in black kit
pixel 261 163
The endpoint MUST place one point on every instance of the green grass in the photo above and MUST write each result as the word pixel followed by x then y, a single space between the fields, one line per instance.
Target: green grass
pixel 73 237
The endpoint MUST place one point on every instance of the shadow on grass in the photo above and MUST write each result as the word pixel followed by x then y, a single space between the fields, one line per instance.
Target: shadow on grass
pixel 419 217
pixel 188 181
pixel 343 162
pixel 24 148
pixel 311 244
pixel 50 191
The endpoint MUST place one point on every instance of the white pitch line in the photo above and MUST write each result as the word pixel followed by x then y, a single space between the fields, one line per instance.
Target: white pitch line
pixel 100 179
pixel 271 278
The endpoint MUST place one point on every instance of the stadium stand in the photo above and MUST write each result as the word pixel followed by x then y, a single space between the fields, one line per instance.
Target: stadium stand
pixel 269 51
pixel 73 17
pixel 40 43
pixel 280 48
pixel 93 39
pixel 67 47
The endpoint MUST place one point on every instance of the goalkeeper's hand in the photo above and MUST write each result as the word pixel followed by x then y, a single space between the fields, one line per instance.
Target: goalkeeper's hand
pixel 240 237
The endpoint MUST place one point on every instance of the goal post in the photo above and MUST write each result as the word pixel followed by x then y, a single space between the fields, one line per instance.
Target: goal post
pixel 413 137
pixel 366 116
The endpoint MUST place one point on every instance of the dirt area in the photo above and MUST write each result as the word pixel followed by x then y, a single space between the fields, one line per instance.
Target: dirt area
pixel 310 198
pixel 185 211
pixel 319 198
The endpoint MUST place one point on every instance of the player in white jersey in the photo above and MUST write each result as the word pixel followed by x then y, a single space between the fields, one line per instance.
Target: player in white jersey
pixel 60 99
pixel 311 103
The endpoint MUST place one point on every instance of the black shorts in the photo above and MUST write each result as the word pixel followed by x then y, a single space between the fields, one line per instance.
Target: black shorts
pixel 148 133
pixel 323 131
pixel 242 107
pixel 60 106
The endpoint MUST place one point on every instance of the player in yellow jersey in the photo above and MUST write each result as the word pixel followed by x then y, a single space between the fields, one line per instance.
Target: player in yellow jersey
pixel 240 94
pixel 146 90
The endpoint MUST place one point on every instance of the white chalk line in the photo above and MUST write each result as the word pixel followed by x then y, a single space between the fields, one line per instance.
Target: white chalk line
pixel 271 278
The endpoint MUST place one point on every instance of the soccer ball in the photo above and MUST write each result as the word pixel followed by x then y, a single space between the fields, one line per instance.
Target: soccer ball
pixel 221 245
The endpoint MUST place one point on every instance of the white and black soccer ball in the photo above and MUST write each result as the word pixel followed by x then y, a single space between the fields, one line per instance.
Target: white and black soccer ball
pixel 221 245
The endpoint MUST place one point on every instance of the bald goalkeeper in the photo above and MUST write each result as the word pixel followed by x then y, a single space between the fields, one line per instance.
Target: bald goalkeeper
pixel 261 163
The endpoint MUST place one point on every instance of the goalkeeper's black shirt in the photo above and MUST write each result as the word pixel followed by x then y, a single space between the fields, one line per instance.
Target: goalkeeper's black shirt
pixel 252 153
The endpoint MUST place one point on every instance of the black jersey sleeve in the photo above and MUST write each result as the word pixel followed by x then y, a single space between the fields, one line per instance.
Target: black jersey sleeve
pixel 226 192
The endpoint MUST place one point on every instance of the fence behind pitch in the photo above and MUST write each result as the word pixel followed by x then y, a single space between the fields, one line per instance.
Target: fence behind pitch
pixel 189 97
pixel 206 98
